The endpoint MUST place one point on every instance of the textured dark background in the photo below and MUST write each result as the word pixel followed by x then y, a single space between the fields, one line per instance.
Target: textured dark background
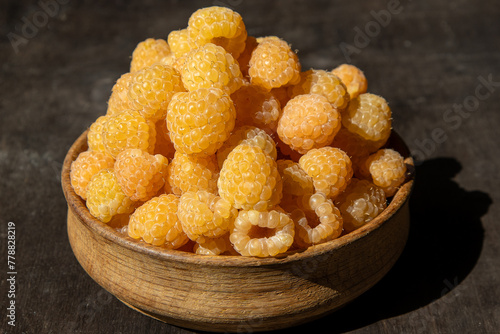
pixel 431 57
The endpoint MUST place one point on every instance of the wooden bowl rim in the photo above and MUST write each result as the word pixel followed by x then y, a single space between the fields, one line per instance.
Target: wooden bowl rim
pixel 77 205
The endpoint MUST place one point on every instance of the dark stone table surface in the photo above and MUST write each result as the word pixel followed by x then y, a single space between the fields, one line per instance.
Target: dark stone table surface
pixel 437 62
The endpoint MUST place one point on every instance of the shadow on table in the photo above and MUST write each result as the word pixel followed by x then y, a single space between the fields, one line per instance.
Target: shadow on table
pixel 445 241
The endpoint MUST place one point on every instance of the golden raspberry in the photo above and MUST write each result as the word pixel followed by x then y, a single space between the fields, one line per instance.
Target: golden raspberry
pixel 386 168
pixel 219 25
pixel 322 83
pixel 147 53
pixel 256 106
pixel 156 222
pixel 95 139
pixel 249 179
pixel 169 60
pixel 128 129
pixel 236 45
pixel 250 135
pixel 192 173
pixel 205 215
pixel 262 234
pixel 244 58
pixel 180 43
pixel 368 116
pixel 200 121
pixel 308 121
pixel 296 182
pixel 360 203
pixel 180 62
pixel 330 169
pixel 210 66
pixel 140 174
pixel 163 145
pixel 152 89
pixel 318 221
pixel 353 78
pixel 118 101
pixel 215 246
pixel 273 64
pixel 354 145
pixel 105 197
pixel 86 165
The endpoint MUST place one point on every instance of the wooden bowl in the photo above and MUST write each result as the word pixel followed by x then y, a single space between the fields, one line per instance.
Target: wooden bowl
pixel 235 293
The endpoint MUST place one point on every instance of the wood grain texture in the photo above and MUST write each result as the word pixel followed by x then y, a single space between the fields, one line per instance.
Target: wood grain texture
pixel 221 293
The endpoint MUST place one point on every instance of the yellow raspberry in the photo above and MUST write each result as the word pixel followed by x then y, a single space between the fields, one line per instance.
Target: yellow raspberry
pixel 163 145
pixel 210 66
pixel 322 83
pixel 308 121
pixel 199 122
pixel 118 101
pixel 192 173
pixel 179 63
pixel 219 25
pixel 330 169
pixel 215 246
pixel 156 222
pixel 353 78
pixel 360 203
pixel 249 179
pixel 236 45
pixel 317 221
pixel 95 139
pixel 147 53
pixel 152 89
pixel 256 106
pixel 273 64
pixel 262 234
pixel 250 135
pixel 386 168
pixel 354 145
pixel 169 60
pixel 105 197
pixel 296 182
pixel 244 58
pixel 86 165
pixel 180 43
pixel 140 174
pixel 316 218
pixel 205 215
pixel 128 129
pixel 368 116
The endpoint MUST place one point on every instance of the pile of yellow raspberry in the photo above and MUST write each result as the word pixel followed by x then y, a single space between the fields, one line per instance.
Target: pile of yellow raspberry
pixel 218 143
